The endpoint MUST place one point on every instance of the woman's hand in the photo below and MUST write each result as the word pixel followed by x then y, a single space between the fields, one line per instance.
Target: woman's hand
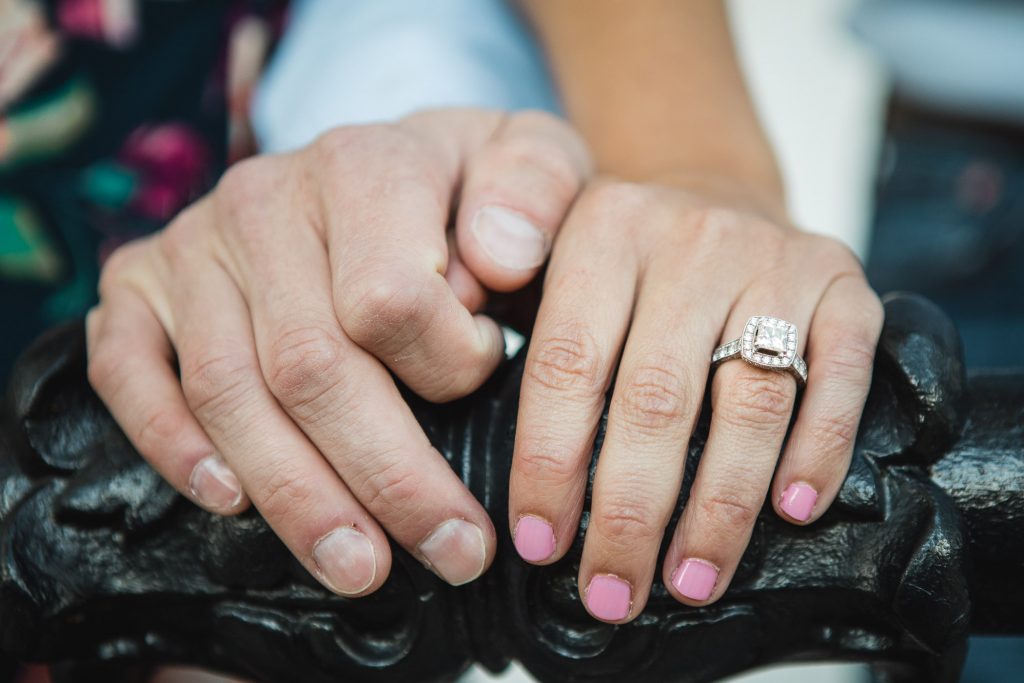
pixel 644 282
pixel 285 297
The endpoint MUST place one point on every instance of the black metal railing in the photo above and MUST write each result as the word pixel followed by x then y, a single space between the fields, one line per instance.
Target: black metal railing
pixel 103 564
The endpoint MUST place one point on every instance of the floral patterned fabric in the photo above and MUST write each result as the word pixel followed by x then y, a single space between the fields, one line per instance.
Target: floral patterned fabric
pixel 114 114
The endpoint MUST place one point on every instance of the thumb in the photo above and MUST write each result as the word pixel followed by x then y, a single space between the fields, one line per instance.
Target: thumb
pixel 517 190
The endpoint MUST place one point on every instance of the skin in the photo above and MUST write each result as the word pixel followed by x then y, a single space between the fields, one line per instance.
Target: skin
pixel 260 327
pixel 287 295
pixel 678 241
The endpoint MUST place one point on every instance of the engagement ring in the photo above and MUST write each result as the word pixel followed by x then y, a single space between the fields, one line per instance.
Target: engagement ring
pixel 768 343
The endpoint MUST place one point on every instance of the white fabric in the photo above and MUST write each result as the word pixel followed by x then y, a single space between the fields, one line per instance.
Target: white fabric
pixel 965 56
pixel 357 61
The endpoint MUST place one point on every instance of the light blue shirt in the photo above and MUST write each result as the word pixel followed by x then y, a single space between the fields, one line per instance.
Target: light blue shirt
pixel 358 61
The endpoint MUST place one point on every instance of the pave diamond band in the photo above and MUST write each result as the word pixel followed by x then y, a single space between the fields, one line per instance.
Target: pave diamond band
pixel 766 342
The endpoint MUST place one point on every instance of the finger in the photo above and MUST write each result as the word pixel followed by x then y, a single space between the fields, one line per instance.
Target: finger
pixel 131 367
pixel 575 344
pixel 294 488
pixel 345 401
pixel 841 349
pixel 518 189
pixel 657 396
pixel 386 206
pixel 465 286
pixel 750 412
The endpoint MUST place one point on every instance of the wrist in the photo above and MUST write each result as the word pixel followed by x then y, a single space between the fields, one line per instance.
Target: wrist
pixel 744 175
pixel 761 197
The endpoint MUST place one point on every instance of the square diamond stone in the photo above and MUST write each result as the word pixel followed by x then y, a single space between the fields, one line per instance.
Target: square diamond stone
pixel 771 336
pixel 768 342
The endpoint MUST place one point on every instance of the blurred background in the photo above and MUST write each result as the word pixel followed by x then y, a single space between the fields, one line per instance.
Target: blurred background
pixel 899 125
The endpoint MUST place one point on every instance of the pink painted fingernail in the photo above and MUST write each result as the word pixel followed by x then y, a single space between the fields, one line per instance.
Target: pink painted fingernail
pixel 798 501
pixel 534 539
pixel 214 485
pixel 609 597
pixel 695 579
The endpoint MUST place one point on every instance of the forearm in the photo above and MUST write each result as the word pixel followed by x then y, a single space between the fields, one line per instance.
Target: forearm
pixel 656 90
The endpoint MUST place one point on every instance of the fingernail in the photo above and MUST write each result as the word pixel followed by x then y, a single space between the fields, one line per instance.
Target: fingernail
pixel 695 579
pixel 345 560
pixel 509 239
pixel 456 551
pixel 214 485
pixel 798 501
pixel 609 597
pixel 534 539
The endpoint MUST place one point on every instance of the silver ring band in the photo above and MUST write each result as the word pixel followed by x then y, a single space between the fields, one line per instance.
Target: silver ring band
pixel 768 343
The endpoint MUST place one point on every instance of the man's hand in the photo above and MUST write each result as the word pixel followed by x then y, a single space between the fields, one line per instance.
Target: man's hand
pixel 287 295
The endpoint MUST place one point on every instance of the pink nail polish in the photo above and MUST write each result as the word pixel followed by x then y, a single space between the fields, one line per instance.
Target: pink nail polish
pixel 798 501
pixel 695 579
pixel 534 539
pixel 609 597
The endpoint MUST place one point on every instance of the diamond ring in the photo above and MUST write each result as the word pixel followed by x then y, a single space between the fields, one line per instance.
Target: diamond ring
pixel 767 343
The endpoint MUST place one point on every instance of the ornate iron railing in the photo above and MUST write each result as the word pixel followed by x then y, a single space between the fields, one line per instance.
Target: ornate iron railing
pixel 105 565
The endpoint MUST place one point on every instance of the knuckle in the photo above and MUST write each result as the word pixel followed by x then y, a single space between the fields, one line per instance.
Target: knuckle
pixel 626 198
pixel 339 149
pixel 282 492
pixel 653 397
pixel 851 360
pixel 385 306
pixel 343 143
pixel 543 465
pixel 160 429
pixel 715 220
pixel 613 207
pixel 869 315
pixel 560 172
pixel 714 226
pixel 629 522
pixel 217 383
pixel 567 361
pixel 757 399
pixel 179 240
pixel 247 185
pixel 727 510
pixel 834 253
pixel 303 365
pixel 122 266
pixel 340 142
pixel 394 492
pixel 834 434
pixel 101 367
pixel 117 265
pixel 346 153
pixel 713 230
